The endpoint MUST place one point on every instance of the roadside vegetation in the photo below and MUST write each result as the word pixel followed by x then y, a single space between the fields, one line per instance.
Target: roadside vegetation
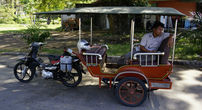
pixel 188 43
pixel 13 21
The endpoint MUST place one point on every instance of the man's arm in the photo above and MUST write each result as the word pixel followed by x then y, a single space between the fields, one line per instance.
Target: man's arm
pixel 170 41
pixel 142 48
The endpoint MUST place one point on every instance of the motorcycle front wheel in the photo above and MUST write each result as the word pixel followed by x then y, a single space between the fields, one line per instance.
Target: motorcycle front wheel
pixel 23 73
pixel 71 79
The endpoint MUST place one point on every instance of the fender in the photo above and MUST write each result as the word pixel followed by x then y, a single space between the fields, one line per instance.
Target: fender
pixel 78 66
pixel 22 59
pixel 131 72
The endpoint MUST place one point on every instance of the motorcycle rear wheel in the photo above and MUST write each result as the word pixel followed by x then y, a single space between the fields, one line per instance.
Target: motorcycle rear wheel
pixel 72 79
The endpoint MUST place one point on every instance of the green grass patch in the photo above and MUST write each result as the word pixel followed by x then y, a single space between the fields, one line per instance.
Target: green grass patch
pixel 187 50
pixel 10 50
pixel 41 51
pixel 183 51
pixel 20 28
pixel 51 51
pixel 118 49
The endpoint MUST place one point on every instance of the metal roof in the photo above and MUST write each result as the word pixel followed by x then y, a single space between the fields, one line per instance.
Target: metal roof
pixel 118 10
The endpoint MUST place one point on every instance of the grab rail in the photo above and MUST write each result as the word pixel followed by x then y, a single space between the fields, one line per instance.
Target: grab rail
pixel 146 55
pixel 105 45
pixel 91 57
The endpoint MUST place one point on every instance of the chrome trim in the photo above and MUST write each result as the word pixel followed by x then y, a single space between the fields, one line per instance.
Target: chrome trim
pixel 91 58
pixel 105 45
pixel 94 54
pixel 158 53
pixel 131 72
pixel 146 55
pixel 160 85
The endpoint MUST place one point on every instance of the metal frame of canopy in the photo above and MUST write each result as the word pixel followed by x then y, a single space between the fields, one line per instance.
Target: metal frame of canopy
pixel 122 10
pixel 118 10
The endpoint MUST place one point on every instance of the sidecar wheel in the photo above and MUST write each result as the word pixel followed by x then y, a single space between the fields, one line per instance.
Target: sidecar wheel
pixel 131 91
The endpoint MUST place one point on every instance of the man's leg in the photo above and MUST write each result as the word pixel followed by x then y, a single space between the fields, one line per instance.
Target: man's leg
pixel 125 58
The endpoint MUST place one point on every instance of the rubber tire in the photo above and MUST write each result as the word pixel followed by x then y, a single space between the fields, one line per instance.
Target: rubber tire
pixel 75 84
pixel 129 79
pixel 21 80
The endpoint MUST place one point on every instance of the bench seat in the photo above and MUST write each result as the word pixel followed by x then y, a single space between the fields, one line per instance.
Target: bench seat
pixel 94 59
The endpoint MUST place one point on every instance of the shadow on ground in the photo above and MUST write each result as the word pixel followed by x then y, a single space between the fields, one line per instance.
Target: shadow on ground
pixel 50 95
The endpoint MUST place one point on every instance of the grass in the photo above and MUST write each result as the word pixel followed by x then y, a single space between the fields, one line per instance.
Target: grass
pixel 118 49
pixel 51 51
pixel 9 50
pixel 188 50
pixel 20 28
pixel 118 44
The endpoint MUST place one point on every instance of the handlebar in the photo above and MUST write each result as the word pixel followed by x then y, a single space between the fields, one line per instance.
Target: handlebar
pixel 38 44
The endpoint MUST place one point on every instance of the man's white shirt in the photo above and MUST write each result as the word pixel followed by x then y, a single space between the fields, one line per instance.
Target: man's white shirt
pixel 153 43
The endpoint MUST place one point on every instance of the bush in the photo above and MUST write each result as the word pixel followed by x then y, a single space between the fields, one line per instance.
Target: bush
pixel 189 44
pixel 22 20
pixel 35 34
pixel 7 15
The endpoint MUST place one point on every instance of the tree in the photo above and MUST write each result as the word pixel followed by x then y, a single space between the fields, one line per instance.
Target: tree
pixel 7 14
pixel 52 5
pixel 122 2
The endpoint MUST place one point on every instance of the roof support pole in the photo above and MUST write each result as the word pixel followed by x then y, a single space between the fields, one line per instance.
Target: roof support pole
pixel 174 40
pixel 132 37
pixel 91 31
pixel 79 29
pixel 34 19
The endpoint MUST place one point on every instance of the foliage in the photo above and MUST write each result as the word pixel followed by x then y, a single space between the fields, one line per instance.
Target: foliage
pixel 123 2
pixel 141 3
pixel 189 43
pixel 51 5
pixel 22 20
pixel 7 15
pixel 28 6
pixel 34 34
pixel 197 19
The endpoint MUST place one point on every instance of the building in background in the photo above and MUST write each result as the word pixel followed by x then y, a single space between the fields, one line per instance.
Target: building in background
pixel 184 6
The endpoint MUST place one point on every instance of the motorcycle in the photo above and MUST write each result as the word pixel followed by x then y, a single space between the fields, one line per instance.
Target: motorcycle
pixel 66 68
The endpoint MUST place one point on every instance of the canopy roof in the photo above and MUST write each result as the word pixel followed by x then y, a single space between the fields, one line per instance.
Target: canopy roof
pixel 118 10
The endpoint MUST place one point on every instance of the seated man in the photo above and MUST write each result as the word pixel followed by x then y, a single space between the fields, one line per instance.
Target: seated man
pixel 150 41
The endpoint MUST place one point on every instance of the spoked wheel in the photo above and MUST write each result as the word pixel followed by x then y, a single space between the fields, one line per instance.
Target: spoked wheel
pixel 131 91
pixel 72 79
pixel 23 73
